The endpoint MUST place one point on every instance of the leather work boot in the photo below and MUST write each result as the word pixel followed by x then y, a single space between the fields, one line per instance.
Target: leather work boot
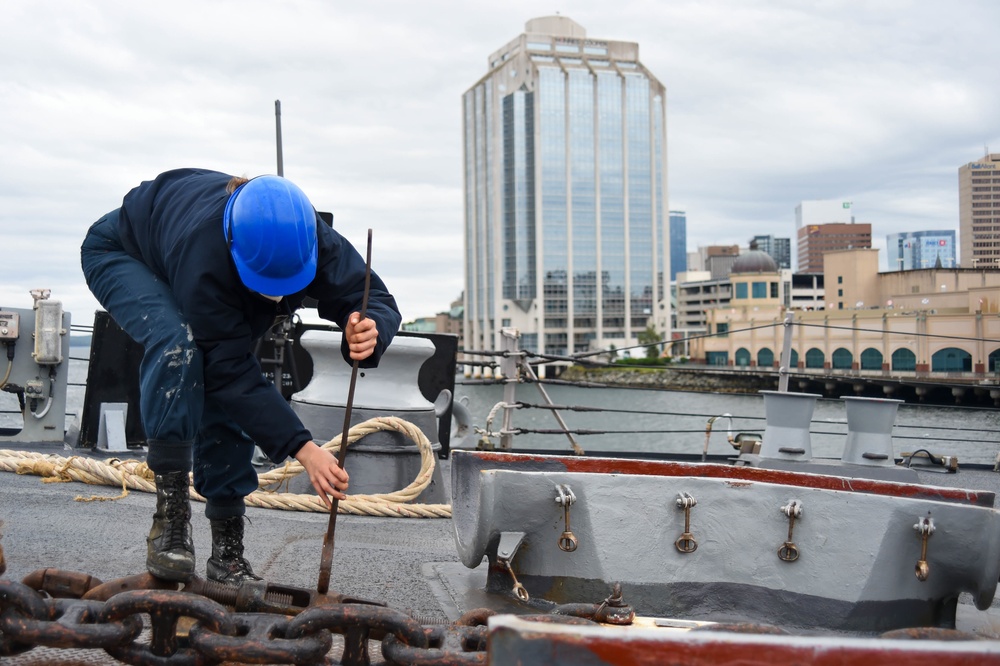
pixel 227 564
pixel 169 547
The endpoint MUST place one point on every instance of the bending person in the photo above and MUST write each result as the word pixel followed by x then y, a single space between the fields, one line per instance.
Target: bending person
pixel 196 266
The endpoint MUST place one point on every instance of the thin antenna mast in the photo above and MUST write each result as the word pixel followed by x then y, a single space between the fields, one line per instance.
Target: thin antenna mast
pixel 277 130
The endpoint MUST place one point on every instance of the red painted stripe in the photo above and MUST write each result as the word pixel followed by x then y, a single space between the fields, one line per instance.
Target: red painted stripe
pixel 589 465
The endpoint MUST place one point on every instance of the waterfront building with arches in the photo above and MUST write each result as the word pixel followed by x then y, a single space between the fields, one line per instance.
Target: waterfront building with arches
pixel 915 322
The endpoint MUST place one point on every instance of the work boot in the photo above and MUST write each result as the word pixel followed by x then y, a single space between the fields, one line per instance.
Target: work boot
pixel 227 564
pixel 169 547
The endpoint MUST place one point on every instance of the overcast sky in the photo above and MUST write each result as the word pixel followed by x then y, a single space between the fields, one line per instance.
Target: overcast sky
pixel 768 104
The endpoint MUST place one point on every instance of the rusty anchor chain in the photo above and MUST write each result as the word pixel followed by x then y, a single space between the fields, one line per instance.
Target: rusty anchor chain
pixel 258 623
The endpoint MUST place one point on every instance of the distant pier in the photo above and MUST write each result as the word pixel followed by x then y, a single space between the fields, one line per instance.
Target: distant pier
pixel 955 388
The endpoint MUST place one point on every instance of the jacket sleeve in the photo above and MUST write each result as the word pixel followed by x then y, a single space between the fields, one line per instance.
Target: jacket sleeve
pixel 339 289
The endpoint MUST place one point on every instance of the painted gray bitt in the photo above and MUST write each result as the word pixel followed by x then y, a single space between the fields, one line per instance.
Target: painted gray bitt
pixel 857 551
pixel 382 461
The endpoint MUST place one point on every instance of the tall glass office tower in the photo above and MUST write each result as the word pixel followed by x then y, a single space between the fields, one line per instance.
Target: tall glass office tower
pixel 678 243
pixel 566 227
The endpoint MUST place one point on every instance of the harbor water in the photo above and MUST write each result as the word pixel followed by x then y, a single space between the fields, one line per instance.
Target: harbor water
pixel 674 422
pixel 641 420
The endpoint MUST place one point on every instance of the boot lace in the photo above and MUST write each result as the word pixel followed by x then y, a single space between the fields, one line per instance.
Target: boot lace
pixel 230 542
pixel 175 533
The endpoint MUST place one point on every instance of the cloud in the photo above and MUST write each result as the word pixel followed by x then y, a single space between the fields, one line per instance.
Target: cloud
pixel 769 103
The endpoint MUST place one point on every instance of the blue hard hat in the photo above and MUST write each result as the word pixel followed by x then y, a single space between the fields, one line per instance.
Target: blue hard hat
pixel 270 228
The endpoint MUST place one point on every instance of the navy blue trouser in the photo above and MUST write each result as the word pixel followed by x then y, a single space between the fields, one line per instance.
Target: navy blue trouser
pixel 180 421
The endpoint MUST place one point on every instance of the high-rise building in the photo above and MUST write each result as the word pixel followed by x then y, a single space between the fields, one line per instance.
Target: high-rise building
pixel 979 212
pixel 815 240
pixel 678 243
pixel 566 215
pixel 913 250
pixel 780 249
pixel 823 211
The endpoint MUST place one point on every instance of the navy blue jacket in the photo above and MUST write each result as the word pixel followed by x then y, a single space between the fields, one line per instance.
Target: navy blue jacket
pixel 173 224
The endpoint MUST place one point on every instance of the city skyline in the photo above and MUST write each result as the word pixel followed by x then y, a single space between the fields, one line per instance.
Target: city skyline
pixel 768 104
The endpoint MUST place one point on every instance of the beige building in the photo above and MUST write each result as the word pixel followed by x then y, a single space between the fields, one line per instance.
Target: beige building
pixel 979 212
pixel 916 322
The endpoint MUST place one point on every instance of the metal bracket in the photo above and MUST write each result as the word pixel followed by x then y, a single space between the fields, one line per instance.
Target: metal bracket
pixel 925 529
pixel 789 552
pixel 685 542
pixel 565 498
pixel 509 543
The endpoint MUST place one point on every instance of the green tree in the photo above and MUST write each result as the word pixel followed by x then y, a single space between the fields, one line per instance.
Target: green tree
pixel 652 340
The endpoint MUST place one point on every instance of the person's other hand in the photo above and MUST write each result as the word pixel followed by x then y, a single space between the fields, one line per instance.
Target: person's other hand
pixel 361 336
pixel 326 476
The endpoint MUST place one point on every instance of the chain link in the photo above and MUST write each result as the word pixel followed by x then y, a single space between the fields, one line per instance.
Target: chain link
pixel 261 639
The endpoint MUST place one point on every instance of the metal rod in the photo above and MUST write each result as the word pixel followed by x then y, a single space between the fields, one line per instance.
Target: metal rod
pixel 577 449
pixel 277 129
pixel 508 368
pixel 326 561
pixel 786 353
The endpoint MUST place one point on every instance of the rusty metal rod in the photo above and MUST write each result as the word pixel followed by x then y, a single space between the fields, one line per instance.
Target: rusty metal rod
pixel 326 560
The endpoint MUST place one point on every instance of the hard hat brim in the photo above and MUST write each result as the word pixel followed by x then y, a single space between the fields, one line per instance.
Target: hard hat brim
pixel 278 286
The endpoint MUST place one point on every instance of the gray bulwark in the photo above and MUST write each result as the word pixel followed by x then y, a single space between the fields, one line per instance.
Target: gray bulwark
pixel 854 540
pixel 382 461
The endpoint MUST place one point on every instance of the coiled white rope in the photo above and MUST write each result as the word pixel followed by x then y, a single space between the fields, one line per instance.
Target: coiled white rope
pixel 136 475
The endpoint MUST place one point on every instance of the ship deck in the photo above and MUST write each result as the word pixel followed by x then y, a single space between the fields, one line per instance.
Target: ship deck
pixel 411 565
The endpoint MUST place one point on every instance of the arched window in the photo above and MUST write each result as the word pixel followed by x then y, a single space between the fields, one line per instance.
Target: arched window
pixel 871 359
pixel 994 361
pixel 814 358
pixel 842 359
pixel 951 359
pixel 794 361
pixel 742 356
pixel 904 359
pixel 765 358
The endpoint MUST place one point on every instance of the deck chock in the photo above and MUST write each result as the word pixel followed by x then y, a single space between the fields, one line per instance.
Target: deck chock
pixel 111 428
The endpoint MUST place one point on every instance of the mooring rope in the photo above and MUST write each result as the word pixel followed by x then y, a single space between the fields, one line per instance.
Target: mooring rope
pixel 136 475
